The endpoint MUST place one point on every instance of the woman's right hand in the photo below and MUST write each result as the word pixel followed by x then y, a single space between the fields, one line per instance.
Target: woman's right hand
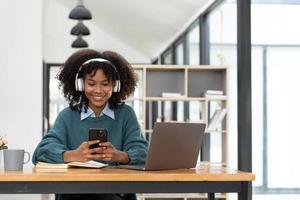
pixel 83 153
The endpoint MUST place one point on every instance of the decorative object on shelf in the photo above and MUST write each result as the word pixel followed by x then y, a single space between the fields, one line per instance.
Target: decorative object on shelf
pixel 216 119
pixel 80 13
pixel 3 142
pixel 3 145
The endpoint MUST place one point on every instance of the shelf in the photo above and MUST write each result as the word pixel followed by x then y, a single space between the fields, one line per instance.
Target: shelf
pixel 216 98
pixel 164 81
pixel 180 98
pixel 206 131
pixel 179 196
pixel 184 98
pixel 206 67
pixel 176 67
pixel 134 99
pixel 161 67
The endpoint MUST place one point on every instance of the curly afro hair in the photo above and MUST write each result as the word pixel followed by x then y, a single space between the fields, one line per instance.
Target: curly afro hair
pixel 73 65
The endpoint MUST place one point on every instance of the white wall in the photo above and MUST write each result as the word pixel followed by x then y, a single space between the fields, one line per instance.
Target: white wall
pixel 57 38
pixel 21 76
pixel 21 73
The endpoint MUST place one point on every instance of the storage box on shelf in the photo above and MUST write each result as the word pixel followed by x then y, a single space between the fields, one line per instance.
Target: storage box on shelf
pixel 183 93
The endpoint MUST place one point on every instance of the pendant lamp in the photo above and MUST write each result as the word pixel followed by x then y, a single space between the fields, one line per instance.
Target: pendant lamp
pixel 80 29
pixel 79 42
pixel 80 12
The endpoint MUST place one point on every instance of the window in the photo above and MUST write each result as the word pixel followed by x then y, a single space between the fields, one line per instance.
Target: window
pixel 193 46
pixel 167 57
pixel 275 96
pixel 179 53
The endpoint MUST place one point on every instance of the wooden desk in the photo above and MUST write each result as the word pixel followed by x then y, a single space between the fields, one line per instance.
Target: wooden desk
pixel 206 179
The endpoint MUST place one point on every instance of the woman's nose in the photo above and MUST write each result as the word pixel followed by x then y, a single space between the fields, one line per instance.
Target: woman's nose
pixel 98 88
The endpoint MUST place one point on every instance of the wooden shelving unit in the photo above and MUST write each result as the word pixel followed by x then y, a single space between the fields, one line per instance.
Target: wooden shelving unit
pixel 176 93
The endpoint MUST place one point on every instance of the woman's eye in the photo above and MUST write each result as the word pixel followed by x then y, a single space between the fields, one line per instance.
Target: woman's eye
pixel 106 83
pixel 91 84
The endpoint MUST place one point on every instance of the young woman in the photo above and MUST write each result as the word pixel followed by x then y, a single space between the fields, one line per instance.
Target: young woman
pixel 95 84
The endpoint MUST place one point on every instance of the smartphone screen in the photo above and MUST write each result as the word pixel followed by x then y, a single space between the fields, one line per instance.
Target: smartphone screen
pixel 97 134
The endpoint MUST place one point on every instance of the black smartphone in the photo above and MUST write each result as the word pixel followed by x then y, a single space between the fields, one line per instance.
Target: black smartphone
pixel 100 134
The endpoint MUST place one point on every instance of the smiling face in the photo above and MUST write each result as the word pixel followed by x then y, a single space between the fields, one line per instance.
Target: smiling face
pixel 98 90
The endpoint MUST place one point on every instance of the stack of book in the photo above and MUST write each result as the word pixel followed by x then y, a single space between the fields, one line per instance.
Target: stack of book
pixel 213 93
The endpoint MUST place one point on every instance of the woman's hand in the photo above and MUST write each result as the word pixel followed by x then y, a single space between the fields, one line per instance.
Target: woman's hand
pixel 108 152
pixel 83 153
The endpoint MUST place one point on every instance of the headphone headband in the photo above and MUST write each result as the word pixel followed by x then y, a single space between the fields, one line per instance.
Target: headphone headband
pixel 96 59
pixel 101 60
pixel 79 85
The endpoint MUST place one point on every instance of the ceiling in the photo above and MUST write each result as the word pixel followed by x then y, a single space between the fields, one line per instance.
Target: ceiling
pixel 148 26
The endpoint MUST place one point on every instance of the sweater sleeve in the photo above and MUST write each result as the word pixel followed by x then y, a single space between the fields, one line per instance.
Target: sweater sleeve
pixel 135 144
pixel 53 144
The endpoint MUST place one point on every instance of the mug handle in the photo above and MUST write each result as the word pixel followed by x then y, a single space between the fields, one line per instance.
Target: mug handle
pixel 28 157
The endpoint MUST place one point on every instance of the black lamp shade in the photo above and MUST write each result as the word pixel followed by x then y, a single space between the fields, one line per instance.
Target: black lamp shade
pixel 80 12
pixel 80 29
pixel 79 43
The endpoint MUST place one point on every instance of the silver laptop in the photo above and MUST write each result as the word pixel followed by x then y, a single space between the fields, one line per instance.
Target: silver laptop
pixel 173 145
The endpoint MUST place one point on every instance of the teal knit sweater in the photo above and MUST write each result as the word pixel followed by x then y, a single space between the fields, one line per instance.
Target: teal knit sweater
pixel 69 131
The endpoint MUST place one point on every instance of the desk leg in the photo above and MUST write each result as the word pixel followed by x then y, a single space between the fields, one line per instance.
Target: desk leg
pixel 211 196
pixel 246 193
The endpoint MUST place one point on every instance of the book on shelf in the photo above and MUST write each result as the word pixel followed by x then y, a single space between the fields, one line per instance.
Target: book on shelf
pixel 89 164
pixel 195 109
pixel 213 93
pixel 171 94
pixel 216 119
pixel 159 117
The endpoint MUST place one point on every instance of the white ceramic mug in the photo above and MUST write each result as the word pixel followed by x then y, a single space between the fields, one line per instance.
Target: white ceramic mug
pixel 14 159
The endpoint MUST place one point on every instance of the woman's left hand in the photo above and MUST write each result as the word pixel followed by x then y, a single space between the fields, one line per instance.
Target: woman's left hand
pixel 109 153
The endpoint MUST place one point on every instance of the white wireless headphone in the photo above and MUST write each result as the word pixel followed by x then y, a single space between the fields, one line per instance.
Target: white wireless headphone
pixel 79 82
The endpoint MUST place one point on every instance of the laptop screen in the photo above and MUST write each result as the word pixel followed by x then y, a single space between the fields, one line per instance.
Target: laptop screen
pixel 174 145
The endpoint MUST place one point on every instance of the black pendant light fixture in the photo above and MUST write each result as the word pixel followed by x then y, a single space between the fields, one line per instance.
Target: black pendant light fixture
pixel 80 29
pixel 80 13
pixel 79 43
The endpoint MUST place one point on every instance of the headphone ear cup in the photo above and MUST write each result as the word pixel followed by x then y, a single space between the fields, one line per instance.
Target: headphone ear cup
pixel 117 87
pixel 80 85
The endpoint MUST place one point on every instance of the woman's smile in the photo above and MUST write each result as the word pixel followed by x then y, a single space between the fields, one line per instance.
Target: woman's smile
pixel 98 98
